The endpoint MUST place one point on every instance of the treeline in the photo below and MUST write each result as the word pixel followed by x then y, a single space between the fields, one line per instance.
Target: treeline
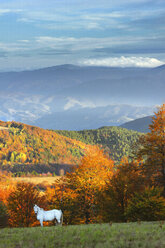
pixel 22 144
pixel 97 191
pixel 37 169
pixel 116 141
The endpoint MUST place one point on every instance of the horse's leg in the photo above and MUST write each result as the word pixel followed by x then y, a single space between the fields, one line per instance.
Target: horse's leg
pixel 61 219
pixel 41 222
pixel 56 222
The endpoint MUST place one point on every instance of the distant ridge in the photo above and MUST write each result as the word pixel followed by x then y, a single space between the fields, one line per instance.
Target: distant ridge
pixel 140 125
pixel 161 67
pixel 80 97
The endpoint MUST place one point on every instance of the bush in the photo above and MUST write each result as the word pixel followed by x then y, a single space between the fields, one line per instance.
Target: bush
pixel 3 215
pixel 146 206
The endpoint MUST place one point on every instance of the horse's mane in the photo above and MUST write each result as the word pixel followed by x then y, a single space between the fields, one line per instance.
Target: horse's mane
pixel 39 207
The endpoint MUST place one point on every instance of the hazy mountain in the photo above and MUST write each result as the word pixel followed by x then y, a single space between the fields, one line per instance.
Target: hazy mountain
pixel 140 125
pixel 91 118
pixel 80 95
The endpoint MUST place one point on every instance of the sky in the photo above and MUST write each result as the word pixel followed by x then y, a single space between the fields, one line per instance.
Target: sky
pixel 43 33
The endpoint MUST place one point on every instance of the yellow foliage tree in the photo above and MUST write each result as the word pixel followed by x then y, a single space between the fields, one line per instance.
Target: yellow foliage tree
pixel 76 193
pixel 88 179
pixel 153 150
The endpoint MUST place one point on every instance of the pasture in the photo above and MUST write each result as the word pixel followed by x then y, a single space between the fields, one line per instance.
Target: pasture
pixel 144 235
pixel 36 180
pixel 4 128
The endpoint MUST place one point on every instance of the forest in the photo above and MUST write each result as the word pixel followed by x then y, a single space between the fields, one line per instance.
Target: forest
pixel 116 141
pixel 26 149
pixel 97 190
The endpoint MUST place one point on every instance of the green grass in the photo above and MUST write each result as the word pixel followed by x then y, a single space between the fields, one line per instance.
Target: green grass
pixel 151 235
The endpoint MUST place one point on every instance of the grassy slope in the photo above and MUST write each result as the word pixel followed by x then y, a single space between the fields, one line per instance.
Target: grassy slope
pixel 88 236
pixel 117 141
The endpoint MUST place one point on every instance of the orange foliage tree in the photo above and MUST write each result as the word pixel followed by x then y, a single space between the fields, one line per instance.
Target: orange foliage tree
pixel 6 187
pixel 118 190
pixel 60 196
pixel 83 184
pixel 152 150
pixel 20 205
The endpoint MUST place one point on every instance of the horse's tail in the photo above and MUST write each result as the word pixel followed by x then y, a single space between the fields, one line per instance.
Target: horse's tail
pixel 61 219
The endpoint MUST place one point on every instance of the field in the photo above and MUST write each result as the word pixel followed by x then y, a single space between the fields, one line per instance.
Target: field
pixel 36 180
pixel 151 235
pixel 4 128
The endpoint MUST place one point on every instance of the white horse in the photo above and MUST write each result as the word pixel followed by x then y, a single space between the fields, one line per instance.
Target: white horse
pixel 50 215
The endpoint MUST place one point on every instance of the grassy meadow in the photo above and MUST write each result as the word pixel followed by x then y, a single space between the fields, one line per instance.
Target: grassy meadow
pixel 36 180
pixel 124 235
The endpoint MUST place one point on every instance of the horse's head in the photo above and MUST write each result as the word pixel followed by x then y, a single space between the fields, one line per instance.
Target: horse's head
pixel 36 208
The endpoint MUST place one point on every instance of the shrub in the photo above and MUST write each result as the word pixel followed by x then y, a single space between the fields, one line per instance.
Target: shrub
pixel 3 215
pixel 146 206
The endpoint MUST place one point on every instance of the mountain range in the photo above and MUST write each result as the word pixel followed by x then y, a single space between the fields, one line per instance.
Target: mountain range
pixel 80 97
pixel 139 125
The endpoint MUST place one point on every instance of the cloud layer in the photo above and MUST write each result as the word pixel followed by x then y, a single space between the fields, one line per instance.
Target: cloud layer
pixel 124 62
pixel 43 33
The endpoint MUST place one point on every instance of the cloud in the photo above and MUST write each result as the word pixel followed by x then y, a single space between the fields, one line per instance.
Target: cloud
pixel 74 4
pixel 85 43
pixel 133 49
pixel 24 107
pixel 124 62
pixel 13 47
pixel 73 102
pixel 6 11
pixel 43 51
pixel 67 18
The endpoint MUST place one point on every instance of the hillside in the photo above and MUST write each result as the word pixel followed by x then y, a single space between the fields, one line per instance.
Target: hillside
pixel 24 147
pixel 140 124
pixel 27 148
pixel 117 141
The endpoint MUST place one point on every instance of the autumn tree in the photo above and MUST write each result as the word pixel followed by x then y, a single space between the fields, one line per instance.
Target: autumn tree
pixel 6 186
pixel 88 179
pixel 20 205
pixel 60 196
pixel 76 193
pixel 152 150
pixel 118 190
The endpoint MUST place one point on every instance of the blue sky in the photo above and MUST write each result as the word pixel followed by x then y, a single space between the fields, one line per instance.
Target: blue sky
pixel 41 33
